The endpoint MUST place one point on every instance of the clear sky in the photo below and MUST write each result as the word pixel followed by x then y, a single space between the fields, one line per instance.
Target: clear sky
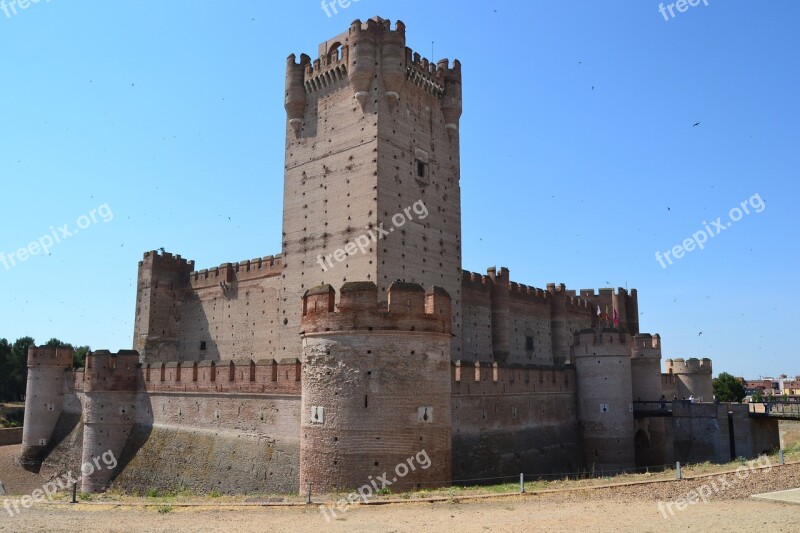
pixel 580 154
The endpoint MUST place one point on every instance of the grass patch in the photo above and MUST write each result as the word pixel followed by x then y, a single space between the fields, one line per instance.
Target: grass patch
pixel 164 509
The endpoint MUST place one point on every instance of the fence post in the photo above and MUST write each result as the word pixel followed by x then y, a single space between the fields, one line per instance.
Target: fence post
pixel 780 457
pixel 74 492
pixel 522 483
pixel 309 492
pixel 678 468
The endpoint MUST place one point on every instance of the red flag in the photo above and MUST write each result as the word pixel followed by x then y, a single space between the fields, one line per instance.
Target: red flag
pixel 616 317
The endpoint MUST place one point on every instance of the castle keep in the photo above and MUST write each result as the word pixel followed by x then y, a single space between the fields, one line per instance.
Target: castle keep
pixel 280 372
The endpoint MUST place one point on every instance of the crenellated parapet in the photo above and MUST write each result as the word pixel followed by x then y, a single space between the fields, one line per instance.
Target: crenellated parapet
pixel 693 378
pixel 409 308
pixel 646 345
pixel 692 365
pixel 238 376
pixel 228 273
pixel 366 51
pixel 608 341
pixel 106 371
pixel 473 281
pixel 165 261
pixel 482 378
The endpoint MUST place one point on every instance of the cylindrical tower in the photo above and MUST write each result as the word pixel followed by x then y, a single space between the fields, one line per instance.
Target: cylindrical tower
pixel 295 99
pixel 603 376
pixel 451 99
pixel 393 59
pixel 110 386
pixel 44 400
pixel 693 378
pixel 376 388
pixel 646 367
pixel 361 58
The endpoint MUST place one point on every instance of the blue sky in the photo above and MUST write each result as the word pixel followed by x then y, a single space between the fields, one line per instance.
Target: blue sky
pixel 580 158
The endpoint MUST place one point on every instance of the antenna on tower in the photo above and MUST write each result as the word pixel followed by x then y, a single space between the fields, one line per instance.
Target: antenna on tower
pixel 433 58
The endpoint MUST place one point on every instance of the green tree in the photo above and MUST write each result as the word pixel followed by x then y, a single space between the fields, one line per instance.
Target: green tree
pixel 727 388
pixel 80 356
pixel 5 370
pixel 18 367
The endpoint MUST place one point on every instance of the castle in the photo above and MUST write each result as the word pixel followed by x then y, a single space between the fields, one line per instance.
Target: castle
pixel 288 371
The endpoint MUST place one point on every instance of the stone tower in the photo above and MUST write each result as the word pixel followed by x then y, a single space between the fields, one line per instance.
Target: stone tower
pixel 44 399
pixel 111 384
pixel 693 378
pixel 605 412
pixel 156 327
pixel 376 387
pixel 371 188
pixel 646 367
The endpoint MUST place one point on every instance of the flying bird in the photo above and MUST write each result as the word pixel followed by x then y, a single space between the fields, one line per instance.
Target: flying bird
pixel 699 333
pixel 695 124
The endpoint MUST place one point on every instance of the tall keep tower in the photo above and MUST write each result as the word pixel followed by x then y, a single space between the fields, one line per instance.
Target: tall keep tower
pixel 371 188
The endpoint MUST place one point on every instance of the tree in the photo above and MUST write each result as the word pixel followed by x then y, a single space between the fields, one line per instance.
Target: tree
pixel 18 367
pixel 80 356
pixel 5 370
pixel 727 388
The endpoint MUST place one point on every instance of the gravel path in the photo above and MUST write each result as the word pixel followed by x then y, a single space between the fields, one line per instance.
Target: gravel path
pixel 625 508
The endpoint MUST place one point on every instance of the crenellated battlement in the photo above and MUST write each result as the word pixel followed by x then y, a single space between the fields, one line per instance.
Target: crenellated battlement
pixel 689 366
pixel 608 337
pixel 106 371
pixel 166 261
pixel 482 378
pixel 528 293
pixel 409 308
pixel 646 345
pixel 239 376
pixel 231 272
pixel 475 281
pixel 50 356
pixel 590 294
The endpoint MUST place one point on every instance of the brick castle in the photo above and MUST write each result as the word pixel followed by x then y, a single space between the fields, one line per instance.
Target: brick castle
pixel 270 374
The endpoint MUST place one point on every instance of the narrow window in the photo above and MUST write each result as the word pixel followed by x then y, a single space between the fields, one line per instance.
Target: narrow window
pixel 366 401
pixel 202 346
pixel 529 343
pixel 420 169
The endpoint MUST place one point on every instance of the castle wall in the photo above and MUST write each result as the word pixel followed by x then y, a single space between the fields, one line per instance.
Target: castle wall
pixel 476 312
pixel 700 432
pixel 231 311
pixel 512 420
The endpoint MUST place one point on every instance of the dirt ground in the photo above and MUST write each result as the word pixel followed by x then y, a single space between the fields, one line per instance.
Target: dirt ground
pixel 501 515
pixel 621 508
